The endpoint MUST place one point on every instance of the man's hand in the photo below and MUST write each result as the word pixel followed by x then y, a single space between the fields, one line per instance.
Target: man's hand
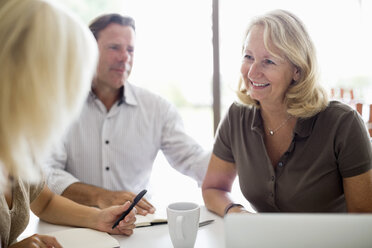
pixel 38 241
pixel 94 196
pixel 111 198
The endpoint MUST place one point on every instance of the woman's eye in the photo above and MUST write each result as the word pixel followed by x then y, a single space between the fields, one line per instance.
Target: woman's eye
pixel 248 57
pixel 270 62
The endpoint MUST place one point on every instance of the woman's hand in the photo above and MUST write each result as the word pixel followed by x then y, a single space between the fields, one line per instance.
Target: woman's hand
pixel 107 198
pixel 237 209
pixel 107 217
pixel 38 241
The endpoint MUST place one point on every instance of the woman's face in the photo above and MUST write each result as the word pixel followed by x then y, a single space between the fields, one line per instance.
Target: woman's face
pixel 266 77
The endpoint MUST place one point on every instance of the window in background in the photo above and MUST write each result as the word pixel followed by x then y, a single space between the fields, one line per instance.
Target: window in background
pixel 173 58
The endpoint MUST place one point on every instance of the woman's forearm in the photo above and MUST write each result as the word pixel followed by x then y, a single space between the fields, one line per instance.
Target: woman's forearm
pixel 216 200
pixel 60 210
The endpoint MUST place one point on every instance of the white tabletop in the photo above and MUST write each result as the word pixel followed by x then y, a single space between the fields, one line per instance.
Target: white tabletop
pixel 211 235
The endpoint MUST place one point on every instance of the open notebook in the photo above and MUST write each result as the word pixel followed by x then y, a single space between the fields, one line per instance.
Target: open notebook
pixel 298 230
pixel 150 220
pixel 84 237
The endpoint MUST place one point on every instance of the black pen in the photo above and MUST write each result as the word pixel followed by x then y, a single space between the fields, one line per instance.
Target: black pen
pixel 135 201
pixel 201 224
pixel 204 223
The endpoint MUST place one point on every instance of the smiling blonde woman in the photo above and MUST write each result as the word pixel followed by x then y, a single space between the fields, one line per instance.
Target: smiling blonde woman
pixel 292 149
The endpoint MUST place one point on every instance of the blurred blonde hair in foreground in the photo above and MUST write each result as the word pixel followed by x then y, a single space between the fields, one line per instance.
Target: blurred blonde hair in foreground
pixel 47 61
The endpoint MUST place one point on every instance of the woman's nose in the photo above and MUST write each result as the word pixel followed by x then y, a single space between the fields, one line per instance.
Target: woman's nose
pixel 254 70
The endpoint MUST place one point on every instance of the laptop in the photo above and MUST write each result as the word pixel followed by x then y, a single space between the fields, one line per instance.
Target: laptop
pixel 298 230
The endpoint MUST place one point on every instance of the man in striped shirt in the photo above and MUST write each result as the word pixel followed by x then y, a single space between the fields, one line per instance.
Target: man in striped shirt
pixel 107 155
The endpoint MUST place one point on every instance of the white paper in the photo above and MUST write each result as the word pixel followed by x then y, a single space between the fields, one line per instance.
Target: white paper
pixel 84 237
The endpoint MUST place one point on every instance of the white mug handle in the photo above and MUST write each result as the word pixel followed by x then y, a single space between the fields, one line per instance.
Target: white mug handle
pixel 179 231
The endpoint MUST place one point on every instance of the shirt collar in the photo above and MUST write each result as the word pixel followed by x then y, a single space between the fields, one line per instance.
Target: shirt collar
pixel 257 124
pixel 303 126
pixel 128 95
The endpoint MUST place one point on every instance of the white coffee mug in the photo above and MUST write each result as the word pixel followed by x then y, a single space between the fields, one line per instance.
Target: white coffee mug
pixel 183 223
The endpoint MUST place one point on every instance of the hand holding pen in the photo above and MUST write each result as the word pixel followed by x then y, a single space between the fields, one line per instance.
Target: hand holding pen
pixel 117 219
pixel 106 217
pixel 135 201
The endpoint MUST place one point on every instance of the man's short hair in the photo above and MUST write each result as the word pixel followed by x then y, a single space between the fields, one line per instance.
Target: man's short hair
pixel 101 22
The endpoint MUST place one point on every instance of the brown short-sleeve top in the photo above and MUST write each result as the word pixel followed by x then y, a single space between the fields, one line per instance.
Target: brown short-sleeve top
pixel 308 178
pixel 14 221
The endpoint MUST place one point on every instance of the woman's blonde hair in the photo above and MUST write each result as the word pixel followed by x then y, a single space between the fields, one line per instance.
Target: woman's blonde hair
pixel 47 61
pixel 283 30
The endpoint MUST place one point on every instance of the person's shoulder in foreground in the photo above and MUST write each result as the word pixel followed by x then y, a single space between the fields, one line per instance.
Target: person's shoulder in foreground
pixel 47 61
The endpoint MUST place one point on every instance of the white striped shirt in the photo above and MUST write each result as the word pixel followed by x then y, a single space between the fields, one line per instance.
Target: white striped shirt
pixel 116 149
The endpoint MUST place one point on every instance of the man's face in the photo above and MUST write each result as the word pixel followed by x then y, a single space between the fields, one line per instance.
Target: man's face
pixel 116 48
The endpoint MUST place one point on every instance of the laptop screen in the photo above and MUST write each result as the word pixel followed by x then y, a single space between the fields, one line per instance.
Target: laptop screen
pixel 298 230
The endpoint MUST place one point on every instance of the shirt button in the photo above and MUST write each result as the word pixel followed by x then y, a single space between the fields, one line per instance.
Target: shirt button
pixel 272 178
pixel 107 168
pixel 107 142
pixel 280 164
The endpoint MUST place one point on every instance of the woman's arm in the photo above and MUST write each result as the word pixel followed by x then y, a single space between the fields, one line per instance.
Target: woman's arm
pixel 217 186
pixel 60 210
pixel 358 192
